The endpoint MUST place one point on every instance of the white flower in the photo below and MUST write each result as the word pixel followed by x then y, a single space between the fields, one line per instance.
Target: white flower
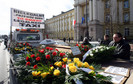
pixel 91 55
pixel 101 49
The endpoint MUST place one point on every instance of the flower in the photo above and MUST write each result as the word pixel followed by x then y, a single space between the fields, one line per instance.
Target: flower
pixel 56 72
pixel 28 63
pixel 73 69
pixel 38 59
pixel 91 67
pixel 62 54
pixel 27 58
pixel 54 53
pixel 77 44
pixel 79 64
pixel 47 48
pixel 59 64
pixel 35 66
pixel 44 74
pixel 35 73
pixel 64 66
pixel 48 57
pixel 71 64
pixel 41 51
pixel 85 49
pixel 85 64
pixel 56 49
pixel 76 60
pixel 33 55
pixel 51 68
pixel 64 59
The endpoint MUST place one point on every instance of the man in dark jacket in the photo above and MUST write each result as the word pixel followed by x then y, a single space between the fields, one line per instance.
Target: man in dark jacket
pixel 106 40
pixel 122 48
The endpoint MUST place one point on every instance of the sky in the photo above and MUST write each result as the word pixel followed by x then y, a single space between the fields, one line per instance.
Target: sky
pixel 46 7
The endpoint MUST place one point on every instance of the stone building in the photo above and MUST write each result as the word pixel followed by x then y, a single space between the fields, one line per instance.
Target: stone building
pixel 60 26
pixel 103 17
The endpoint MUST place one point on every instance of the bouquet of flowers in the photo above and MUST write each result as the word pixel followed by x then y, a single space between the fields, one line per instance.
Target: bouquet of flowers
pixel 99 54
pixel 21 47
pixel 84 48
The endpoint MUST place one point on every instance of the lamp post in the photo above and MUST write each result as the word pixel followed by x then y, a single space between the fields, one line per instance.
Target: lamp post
pixel 87 33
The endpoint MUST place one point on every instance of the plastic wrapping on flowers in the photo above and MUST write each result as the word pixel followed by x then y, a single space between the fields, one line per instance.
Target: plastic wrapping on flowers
pixel 100 54
pixel 48 66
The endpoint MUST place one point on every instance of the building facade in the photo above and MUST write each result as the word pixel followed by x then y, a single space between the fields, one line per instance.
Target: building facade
pixel 60 26
pixel 103 17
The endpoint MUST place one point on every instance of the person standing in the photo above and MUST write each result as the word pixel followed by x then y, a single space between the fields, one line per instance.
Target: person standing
pixel 122 47
pixel 86 41
pixel 5 41
pixel 106 40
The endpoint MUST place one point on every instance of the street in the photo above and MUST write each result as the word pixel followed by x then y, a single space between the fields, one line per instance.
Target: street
pixel 4 65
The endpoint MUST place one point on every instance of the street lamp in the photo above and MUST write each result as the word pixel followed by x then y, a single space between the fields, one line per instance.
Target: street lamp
pixel 87 33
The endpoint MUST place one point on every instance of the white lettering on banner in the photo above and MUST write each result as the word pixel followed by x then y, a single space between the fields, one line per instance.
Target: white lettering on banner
pixel 26 19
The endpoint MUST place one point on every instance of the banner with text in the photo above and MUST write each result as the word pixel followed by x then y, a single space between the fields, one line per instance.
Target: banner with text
pixel 25 19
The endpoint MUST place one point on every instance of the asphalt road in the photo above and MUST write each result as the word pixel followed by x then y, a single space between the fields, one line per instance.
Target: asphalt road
pixel 4 65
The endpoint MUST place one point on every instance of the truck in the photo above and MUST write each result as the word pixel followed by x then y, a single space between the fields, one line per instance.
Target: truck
pixel 31 36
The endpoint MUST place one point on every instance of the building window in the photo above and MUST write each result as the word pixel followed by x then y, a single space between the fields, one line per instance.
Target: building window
pixel 126 4
pixel 126 31
pixel 107 18
pixel 107 4
pixel 126 17
pixel 107 32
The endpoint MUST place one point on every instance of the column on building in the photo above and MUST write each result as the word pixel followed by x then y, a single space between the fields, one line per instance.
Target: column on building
pixel 94 9
pixel 90 10
pixel 69 22
pixel 63 23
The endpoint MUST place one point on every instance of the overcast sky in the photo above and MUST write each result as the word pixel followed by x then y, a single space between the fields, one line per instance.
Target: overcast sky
pixel 46 7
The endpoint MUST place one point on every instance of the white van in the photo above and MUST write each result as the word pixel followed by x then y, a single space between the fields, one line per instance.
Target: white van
pixel 34 38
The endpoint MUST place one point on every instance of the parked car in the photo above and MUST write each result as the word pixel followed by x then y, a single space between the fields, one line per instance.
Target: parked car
pixel 55 42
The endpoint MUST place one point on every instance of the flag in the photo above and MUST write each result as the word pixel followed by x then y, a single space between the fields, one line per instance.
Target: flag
pixel 83 19
pixel 74 22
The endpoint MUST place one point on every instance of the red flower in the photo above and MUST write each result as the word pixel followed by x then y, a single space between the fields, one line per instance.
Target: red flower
pixel 35 66
pixel 82 46
pixel 56 49
pixel 51 65
pixel 50 48
pixel 64 66
pixel 33 55
pixel 28 63
pixel 37 54
pixel 85 49
pixel 38 59
pixel 27 44
pixel 48 57
pixel 62 54
pixel 54 53
pixel 47 48
pixel 41 51
pixel 24 44
pixel 77 44
pixel 27 58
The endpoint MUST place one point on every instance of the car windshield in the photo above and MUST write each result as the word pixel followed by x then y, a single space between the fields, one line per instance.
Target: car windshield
pixel 26 37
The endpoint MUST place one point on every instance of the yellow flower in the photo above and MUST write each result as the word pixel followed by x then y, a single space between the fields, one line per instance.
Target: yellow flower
pixel 59 64
pixel 71 64
pixel 86 64
pixel 51 68
pixel 31 50
pixel 69 60
pixel 91 67
pixel 92 72
pixel 35 73
pixel 73 69
pixel 79 64
pixel 56 72
pixel 64 59
pixel 44 74
pixel 76 60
